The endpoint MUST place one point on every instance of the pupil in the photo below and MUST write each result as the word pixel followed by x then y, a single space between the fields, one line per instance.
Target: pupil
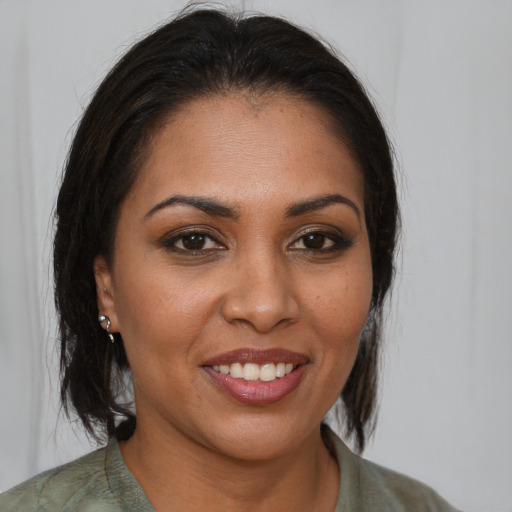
pixel 193 242
pixel 314 241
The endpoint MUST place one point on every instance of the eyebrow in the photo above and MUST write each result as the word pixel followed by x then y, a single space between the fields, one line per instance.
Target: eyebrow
pixel 209 206
pixel 318 203
pixel 216 209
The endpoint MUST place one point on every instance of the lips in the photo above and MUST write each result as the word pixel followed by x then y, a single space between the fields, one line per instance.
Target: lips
pixel 255 376
pixel 257 356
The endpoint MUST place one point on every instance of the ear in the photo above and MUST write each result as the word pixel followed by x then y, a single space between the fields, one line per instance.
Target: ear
pixel 105 292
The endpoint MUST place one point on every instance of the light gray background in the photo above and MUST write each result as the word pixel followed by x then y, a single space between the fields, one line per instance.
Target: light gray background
pixel 441 74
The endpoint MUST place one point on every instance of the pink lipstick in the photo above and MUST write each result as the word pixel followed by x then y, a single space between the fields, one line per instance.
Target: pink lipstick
pixel 256 376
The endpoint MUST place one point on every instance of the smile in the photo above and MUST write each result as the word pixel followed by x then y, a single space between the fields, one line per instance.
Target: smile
pixel 251 371
pixel 256 376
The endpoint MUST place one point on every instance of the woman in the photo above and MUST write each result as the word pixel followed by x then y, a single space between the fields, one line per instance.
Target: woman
pixel 225 235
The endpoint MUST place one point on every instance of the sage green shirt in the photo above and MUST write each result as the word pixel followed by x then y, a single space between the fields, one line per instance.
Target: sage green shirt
pixel 101 482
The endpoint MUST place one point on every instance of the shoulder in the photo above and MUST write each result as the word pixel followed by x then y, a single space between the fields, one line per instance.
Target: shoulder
pixel 397 488
pixel 366 486
pixel 73 486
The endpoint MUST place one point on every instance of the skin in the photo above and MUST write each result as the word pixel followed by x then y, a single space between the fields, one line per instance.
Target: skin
pixel 255 283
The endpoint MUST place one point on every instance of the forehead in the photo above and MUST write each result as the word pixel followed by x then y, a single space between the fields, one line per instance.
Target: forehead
pixel 246 145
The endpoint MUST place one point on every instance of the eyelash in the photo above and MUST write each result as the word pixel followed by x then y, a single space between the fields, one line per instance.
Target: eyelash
pixel 170 243
pixel 340 242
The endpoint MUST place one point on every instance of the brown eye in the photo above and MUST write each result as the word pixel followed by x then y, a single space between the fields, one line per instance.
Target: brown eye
pixel 321 242
pixel 313 241
pixel 193 242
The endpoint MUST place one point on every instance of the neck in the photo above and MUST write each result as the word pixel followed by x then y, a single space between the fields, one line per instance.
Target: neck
pixel 179 473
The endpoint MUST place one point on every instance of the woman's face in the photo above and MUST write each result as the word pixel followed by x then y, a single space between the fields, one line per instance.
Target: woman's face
pixel 241 278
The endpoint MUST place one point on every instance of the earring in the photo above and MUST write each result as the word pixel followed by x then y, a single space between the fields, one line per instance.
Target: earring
pixel 105 319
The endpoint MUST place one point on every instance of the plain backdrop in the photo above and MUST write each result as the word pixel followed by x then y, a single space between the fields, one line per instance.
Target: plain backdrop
pixel 440 72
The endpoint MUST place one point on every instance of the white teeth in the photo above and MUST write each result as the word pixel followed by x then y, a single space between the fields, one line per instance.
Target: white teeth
pixel 268 372
pixel 236 370
pixel 251 371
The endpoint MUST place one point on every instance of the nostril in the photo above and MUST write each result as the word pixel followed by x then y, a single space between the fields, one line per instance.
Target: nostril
pixel 262 313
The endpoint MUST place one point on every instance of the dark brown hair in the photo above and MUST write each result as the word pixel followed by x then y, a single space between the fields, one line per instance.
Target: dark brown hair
pixel 202 52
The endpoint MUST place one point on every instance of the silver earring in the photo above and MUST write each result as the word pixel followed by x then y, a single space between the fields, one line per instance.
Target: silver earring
pixel 102 319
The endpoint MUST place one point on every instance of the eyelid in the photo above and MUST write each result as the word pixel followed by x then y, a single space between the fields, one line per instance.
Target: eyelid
pixel 169 240
pixel 342 240
pixel 339 239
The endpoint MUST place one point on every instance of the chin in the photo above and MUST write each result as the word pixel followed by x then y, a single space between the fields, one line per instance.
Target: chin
pixel 261 440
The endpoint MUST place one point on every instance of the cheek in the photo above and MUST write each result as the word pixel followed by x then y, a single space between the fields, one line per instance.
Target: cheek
pixel 336 302
pixel 340 306
pixel 162 312
pixel 339 310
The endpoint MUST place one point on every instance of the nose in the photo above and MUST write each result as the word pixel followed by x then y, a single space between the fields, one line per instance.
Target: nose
pixel 261 294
